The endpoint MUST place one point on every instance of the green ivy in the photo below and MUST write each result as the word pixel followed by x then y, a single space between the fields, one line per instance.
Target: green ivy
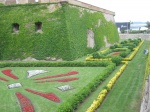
pixel 64 32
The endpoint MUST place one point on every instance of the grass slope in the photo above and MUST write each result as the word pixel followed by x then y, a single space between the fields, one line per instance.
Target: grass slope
pixel 127 93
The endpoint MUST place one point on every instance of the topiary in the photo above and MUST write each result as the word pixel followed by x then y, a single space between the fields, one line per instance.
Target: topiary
pixel 116 59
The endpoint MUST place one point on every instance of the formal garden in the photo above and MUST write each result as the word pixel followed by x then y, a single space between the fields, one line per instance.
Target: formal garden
pixel 110 80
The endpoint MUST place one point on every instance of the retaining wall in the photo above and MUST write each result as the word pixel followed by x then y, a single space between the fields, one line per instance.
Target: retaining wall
pixel 133 36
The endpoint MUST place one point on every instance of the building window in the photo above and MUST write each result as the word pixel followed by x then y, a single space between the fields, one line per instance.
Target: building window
pixel 15 27
pixel 38 26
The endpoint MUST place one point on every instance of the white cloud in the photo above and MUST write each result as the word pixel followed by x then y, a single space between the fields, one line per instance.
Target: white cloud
pixel 125 10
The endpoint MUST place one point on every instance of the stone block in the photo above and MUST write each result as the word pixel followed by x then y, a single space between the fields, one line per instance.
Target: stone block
pixel 9 2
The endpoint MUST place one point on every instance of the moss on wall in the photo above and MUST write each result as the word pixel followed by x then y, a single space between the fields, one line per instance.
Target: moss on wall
pixel 64 31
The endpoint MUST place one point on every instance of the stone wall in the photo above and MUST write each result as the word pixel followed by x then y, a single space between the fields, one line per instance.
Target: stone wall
pixel 109 14
pixel 2 1
pixel 9 2
pixel 82 4
pixel 133 36
pixel 21 1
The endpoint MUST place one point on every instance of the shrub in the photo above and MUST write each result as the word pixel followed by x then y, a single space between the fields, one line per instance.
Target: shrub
pixel 115 45
pixel 123 42
pixel 116 59
pixel 131 47
pixel 139 39
pixel 130 40
pixel 96 55
pixel 112 47
pixel 123 54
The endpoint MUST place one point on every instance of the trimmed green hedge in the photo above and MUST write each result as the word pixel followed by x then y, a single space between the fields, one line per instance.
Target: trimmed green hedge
pixel 54 64
pixel 64 31
pixel 72 103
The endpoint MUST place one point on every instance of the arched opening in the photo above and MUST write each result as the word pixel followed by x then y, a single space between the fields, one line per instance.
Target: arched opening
pixel 15 27
pixel 38 26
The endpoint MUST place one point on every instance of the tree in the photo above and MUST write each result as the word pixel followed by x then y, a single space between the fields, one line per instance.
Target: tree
pixel 148 24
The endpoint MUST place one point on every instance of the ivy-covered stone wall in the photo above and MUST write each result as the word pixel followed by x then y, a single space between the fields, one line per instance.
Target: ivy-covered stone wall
pixel 63 31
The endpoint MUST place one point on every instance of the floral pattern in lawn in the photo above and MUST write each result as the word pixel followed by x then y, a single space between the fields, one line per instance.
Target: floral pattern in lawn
pixel 115 53
pixel 25 103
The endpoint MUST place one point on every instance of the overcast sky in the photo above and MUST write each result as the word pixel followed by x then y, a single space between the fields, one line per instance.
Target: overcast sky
pixel 125 10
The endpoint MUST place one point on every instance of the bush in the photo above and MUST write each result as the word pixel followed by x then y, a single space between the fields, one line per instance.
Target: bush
pixel 139 39
pixel 125 53
pixel 112 47
pixel 122 42
pixel 131 47
pixel 115 45
pixel 117 60
pixel 96 55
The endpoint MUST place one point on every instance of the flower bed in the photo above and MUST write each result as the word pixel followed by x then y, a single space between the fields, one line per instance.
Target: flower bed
pixel 49 96
pixel 59 80
pixel 3 79
pixel 59 75
pixel 25 103
pixel 103 56
pixel 115 53
pixel 79 96
pixel 98 101
pixel 9 74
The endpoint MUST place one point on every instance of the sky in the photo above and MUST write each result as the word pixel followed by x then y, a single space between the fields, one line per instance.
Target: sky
pixel 125 10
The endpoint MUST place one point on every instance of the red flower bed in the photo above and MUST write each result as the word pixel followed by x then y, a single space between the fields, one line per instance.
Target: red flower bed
pixel 3 79
pixel 9 74
pixel 116 53
pixel 59 75
pixel 25 103
pixel 59 80
pixel 49 96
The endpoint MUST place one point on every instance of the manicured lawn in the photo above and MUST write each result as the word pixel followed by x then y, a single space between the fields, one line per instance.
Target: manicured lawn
pixel 9 102
pixel 126 95
pixel 88 101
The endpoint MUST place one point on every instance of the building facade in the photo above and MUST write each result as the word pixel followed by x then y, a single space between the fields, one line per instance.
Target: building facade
pixel 123 26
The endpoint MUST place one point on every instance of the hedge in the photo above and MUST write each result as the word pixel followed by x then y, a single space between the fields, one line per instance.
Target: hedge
pixel 98 101
pixel 72 103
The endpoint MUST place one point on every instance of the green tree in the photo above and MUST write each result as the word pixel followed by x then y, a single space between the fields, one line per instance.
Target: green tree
pixel 148 24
